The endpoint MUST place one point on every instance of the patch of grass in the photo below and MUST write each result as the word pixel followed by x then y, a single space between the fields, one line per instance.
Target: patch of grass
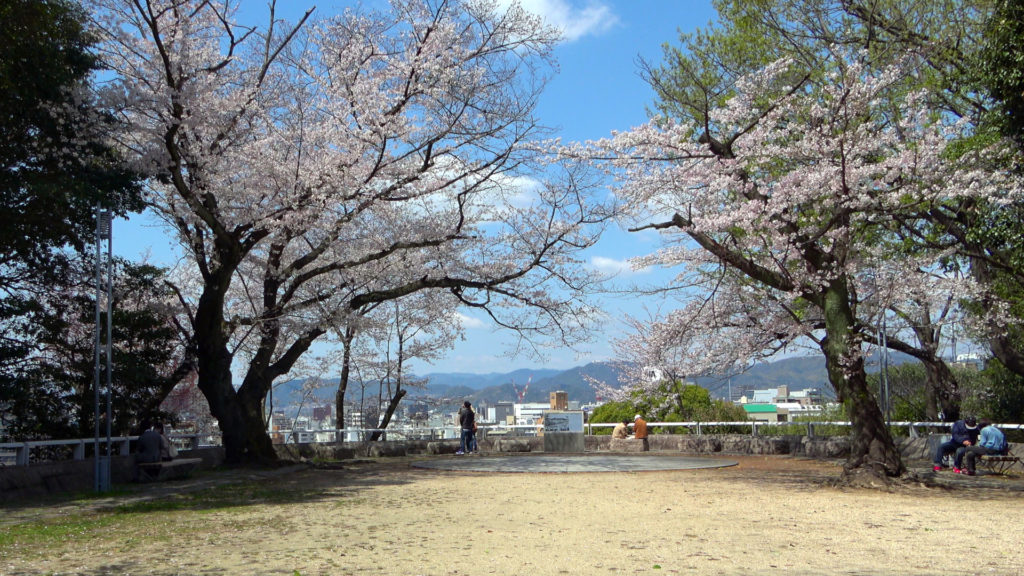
pixel 221 498
pixel 151 506
pixel 130 517
pixel 91 496
pixel 54 530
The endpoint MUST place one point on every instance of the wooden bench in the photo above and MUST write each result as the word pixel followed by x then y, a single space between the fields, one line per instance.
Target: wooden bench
pixel 167 470
pixel 999 463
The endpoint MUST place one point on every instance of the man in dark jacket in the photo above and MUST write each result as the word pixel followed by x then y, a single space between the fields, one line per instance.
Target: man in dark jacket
pixel 964 434
pixel 149 445
pixel 467 420
pixel 991 441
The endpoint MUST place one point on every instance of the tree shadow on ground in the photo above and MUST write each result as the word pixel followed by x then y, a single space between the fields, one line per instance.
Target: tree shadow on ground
pixel 214 489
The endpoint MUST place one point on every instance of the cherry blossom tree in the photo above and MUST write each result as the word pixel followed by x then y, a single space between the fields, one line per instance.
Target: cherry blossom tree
pixel 726 324
pixel 968 67
pixel 794 196
pixel 313 170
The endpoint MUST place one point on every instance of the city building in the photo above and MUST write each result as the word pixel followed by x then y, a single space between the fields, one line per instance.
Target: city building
pixel 559 400
pixel 502 413
pixel 805 397
pixel 762 412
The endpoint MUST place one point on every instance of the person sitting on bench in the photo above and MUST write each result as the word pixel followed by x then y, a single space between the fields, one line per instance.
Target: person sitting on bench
pixel 167 450
pixel 150 442
pixel 964 434
pixel 991 441
pixel 621 430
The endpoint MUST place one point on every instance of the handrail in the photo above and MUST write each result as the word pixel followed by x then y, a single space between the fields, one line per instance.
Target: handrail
pixel 22 450
pixel 120 444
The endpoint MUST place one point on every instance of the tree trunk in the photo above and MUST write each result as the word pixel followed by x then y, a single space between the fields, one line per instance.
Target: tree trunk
pixel 346 368
pixel 1005 347
pixel 872 449
pixel 942 393
pixel 1011 356
pixel 392 406
pixel 239 414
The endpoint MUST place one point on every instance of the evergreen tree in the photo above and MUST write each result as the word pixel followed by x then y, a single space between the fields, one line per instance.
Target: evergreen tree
pixel 56 166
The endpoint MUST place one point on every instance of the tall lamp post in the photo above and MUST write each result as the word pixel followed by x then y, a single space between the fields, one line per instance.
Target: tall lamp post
pixel 103 358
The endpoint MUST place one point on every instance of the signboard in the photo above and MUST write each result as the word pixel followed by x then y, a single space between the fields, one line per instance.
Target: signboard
pixel 563 421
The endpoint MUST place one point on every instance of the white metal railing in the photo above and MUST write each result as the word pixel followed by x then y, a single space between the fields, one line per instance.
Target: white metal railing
pixel 20 453
pixel 756 425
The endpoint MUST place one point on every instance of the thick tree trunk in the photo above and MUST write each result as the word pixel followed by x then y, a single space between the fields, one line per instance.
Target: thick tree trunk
pixel 239 414
pixel 872 448
pixel 942 393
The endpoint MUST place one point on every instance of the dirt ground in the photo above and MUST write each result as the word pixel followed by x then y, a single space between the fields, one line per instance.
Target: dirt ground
pixel 768 515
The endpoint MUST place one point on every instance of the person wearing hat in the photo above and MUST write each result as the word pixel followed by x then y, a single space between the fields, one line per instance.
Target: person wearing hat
pixel 991 441
pixel 640 431
pixel 964 434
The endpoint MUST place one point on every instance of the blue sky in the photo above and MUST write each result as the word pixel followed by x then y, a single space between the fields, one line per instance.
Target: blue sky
pixel 597 90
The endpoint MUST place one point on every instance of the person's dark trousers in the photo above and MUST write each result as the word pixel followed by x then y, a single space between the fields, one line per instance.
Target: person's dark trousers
pixel 972 454
pixel 958 459
pixel 466 434
pixel 946 448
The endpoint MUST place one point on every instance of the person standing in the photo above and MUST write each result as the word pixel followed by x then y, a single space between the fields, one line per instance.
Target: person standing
pixel 467 419
pixel 991 441
pixel 473 447
pixel 964 434
pixel 640 431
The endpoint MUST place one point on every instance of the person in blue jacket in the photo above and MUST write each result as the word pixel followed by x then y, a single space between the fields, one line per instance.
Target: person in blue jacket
pixel 964 434
pixel 991 441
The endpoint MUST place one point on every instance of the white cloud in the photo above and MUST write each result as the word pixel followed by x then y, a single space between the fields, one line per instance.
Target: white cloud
pixel 616 267
pixel 469 321
pixel 524 190
pixel 574 18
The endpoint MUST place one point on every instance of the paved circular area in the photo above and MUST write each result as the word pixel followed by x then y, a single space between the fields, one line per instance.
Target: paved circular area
pixel 562 463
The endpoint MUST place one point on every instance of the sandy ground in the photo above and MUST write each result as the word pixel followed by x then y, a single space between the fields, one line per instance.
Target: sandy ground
pixel 768 515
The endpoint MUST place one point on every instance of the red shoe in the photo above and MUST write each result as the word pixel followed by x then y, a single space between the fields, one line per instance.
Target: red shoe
pixel 937 468
pixel 958 470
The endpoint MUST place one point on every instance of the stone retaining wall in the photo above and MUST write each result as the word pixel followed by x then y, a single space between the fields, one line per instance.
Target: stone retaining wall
pixel 25 482
pixel 826 448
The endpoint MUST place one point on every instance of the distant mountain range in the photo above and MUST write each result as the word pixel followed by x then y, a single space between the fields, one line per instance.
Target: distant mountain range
pixel 535 385
pixel 452 388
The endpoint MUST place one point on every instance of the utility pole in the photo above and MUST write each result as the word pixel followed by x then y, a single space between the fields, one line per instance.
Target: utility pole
pixel 103 350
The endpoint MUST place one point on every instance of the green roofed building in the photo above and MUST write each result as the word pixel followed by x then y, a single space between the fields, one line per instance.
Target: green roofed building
pixel 765 413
